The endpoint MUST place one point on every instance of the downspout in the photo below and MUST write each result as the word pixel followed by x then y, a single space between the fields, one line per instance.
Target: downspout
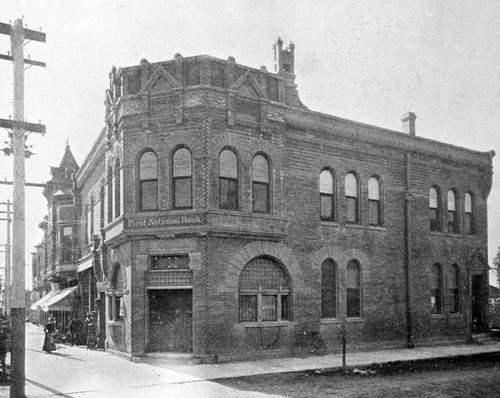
pixel 409 322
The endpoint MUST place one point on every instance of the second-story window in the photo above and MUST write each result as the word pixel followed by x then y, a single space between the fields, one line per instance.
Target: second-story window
pixel 352 198
pixel 453 225
pixel 228 181
pixel 66 244
pixel 110 195
pixel 260 185
pixel 434 209
pixel 326 195
pixel 118 188
pixel 102 195
pixel 469 222
pixel 182 179
pixel 148 181
pixel 375 202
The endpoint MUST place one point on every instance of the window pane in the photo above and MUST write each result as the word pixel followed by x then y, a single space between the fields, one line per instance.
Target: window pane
pixel 326 182
pixel 269 308
pixel 373 189
pixel 182 163
pixel 436 289
pixel 228 196
pixel 248 308
pixel 182 192
pixel 353 303
pixel 149 195
pixel 451 201
pixel 260 197
pixel 374 212
pixel 326 207
pixel 228 164
pixel 351 214
pixel 147 166
pixel 351 185
pixel 434 222
pixel 285 308
pixel 263 273
pixel 433 198
pixel 468 203
pixel 260 169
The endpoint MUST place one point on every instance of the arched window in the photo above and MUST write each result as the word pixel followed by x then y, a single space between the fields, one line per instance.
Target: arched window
pixel 261 197
pixel 118 188
pixel 182 179
pixel 110 195
pixel 352 198
pixel 326 195
pixel 228 181
pixel 329 289
pixel 374 198
pixel 453 224
pixel 264 292
pixel 434 209
pixel 454 289
pixel 148 181
pixel 436 290
pixel 469 222
pixel 353 289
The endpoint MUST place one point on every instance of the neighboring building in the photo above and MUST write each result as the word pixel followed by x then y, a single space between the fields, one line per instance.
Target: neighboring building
pixel 55 258
pixel 219 215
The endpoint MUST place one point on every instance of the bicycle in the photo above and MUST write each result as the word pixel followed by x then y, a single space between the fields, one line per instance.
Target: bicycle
pixel 309 342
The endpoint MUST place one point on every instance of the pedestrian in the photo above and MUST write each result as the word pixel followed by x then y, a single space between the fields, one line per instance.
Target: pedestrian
pixel 48 342
pixel 74 326
pixel 4 343
pixel 91 329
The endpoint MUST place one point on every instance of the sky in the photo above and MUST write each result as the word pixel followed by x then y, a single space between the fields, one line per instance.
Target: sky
pixel 366 60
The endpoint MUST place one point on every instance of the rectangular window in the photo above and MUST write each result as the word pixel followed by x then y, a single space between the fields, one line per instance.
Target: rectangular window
pixel 118 310
pixel 374 212
pixel 182 193
pixel 269 308
pixel 109 300
pixel 67 245
pixel 228 194
pixel 326 207
pixel 248 308
pixel 352 211
pixel 260 197
pixel 149 195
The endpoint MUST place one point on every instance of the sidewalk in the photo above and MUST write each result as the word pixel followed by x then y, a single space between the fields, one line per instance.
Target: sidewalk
pixel 284 365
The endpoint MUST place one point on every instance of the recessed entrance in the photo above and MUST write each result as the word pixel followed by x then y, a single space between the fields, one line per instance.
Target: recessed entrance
pixel 171 320
pixel 478 304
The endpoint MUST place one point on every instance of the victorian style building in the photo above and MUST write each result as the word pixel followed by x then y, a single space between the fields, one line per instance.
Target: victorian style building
pixel 217 215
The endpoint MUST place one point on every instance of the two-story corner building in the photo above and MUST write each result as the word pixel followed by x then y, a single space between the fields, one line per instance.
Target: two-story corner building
pixel 56 257
pixel 220 216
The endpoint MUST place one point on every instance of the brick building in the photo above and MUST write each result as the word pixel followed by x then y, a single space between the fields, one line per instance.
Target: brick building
pixel 219 215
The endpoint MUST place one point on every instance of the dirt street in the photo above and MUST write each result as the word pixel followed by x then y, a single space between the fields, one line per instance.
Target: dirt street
pixel 477 376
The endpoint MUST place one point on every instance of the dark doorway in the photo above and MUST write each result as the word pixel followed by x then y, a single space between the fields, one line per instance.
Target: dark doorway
pixel 478 304
pixel 171 320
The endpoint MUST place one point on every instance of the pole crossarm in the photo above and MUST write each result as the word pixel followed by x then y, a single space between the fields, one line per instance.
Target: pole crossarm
pixel 29 34
pixel 28 184
pixel 33 127
pixel 26 61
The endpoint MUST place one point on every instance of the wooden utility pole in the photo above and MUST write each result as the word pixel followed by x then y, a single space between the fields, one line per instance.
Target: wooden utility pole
pixel 19 127
pixel 7 288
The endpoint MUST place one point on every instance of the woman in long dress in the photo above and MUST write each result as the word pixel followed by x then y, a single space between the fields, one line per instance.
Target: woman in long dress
pixel 49 329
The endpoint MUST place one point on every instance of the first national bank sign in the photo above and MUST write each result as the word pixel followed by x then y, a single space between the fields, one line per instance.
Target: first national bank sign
pixel 178 220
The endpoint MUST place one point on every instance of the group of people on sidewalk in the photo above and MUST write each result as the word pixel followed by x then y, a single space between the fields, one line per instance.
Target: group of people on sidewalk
pixel 79 332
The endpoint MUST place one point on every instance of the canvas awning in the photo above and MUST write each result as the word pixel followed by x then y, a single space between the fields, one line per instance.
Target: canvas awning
pixel 38 304
pixel 62 301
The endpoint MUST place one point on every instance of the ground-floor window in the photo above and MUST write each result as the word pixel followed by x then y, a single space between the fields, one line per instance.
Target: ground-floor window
pixel 115 307
pixel 264 292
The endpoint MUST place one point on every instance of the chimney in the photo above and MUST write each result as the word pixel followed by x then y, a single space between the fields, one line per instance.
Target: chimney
pixel 408 120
